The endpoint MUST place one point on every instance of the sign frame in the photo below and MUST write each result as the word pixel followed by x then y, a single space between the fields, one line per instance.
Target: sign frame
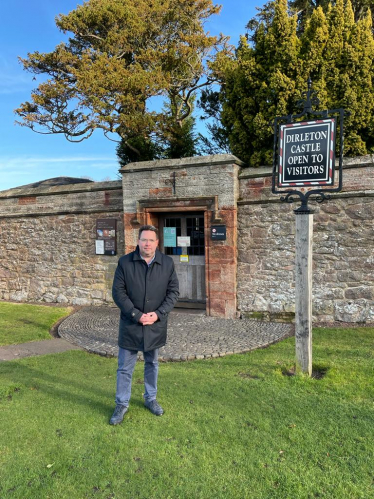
pixel 291 191
pixel 304 151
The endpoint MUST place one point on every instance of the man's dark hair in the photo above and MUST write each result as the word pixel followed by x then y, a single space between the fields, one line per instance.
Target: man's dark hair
pixel 148 227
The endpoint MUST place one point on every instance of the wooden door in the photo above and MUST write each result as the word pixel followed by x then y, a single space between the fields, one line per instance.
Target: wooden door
pixel 191 273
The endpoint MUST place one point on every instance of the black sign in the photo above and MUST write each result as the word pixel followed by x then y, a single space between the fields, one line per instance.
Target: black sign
pixel 106 241
pixel 307 153
pixel 218 232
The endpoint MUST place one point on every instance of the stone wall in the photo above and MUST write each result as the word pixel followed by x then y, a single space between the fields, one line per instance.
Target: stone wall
pixel 343 248
pixel 47 237
pixel 47 243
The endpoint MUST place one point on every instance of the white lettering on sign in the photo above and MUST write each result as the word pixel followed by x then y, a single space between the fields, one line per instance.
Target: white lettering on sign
pixel 303 170
pixel 294 160
pixel 304 137
pixel 317 158
pixel 305 147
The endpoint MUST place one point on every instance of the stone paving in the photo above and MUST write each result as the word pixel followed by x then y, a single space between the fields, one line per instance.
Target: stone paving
pixel 33 348
pixel 190 335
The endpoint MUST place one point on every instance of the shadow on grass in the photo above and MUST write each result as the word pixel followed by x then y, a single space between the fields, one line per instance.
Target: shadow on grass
pixel 318 371
pixel 53 386
pixel 84 393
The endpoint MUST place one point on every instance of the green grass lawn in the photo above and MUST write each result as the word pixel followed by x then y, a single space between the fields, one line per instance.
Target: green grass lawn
pixel 20 322
pixel 234 427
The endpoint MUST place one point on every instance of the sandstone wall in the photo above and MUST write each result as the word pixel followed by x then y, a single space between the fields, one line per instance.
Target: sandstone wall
pixel 47 237
pixel 343 248
pixel 47 243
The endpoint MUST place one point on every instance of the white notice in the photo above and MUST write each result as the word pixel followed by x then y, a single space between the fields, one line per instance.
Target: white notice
pixel 184 241
pixel 99 246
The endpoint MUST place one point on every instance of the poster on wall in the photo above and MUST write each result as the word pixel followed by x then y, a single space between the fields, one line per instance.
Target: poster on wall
pixel 106 240
pixel 170 237
pixel 99 245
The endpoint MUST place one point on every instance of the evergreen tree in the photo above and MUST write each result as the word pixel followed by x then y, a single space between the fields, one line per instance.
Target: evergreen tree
pixel 217 141
pixel 176 140
pixel 268 77
pixel 349 56
pixel 138 149
pixel 178 136
pixel 305 8
pixel 119 55
pixel 261 84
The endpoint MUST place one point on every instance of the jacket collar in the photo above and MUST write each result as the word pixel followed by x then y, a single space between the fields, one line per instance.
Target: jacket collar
pixel 158 256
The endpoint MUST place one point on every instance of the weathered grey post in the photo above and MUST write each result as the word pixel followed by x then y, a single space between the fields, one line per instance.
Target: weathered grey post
pixel 303 288
pixel 304 157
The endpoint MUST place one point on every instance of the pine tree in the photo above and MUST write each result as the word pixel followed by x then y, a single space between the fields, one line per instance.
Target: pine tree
pixel 349 58
pixel 217 141
pixel 177 139
pixel 119 56
pixel 311 57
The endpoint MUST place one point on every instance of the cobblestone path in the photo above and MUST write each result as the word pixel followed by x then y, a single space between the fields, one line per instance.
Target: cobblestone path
pixel 190 336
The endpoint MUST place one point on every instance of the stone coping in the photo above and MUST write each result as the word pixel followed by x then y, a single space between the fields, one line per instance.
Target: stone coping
pixel 195 161
pixel 190 335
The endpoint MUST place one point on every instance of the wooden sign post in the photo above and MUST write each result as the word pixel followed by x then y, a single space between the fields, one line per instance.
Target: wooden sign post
pixel 304 165
pixel 303 290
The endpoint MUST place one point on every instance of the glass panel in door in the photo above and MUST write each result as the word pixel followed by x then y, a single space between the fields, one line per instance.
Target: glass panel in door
pixel 191 274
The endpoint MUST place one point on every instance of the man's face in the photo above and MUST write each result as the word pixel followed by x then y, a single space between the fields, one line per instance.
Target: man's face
pixel 147 243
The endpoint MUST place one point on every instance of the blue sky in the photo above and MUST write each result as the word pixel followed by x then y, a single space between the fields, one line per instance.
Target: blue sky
pixel 26 156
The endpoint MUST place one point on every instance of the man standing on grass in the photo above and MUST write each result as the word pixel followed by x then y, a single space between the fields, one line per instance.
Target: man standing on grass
pixel 145 289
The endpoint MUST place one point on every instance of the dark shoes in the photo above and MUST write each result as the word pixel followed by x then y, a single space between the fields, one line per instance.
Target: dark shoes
pixel 154 407
pixel 121 410
pixel 118 414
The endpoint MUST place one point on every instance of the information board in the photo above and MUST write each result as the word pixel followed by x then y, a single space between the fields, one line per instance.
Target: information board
pixel 307 153
pixel 106 240
pixel 184 241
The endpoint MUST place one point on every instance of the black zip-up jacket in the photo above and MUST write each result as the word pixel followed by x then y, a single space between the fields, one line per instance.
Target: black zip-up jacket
pixel 139 289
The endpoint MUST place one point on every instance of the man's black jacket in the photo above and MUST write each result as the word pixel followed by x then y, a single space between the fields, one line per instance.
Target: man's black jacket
pixel 139 289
